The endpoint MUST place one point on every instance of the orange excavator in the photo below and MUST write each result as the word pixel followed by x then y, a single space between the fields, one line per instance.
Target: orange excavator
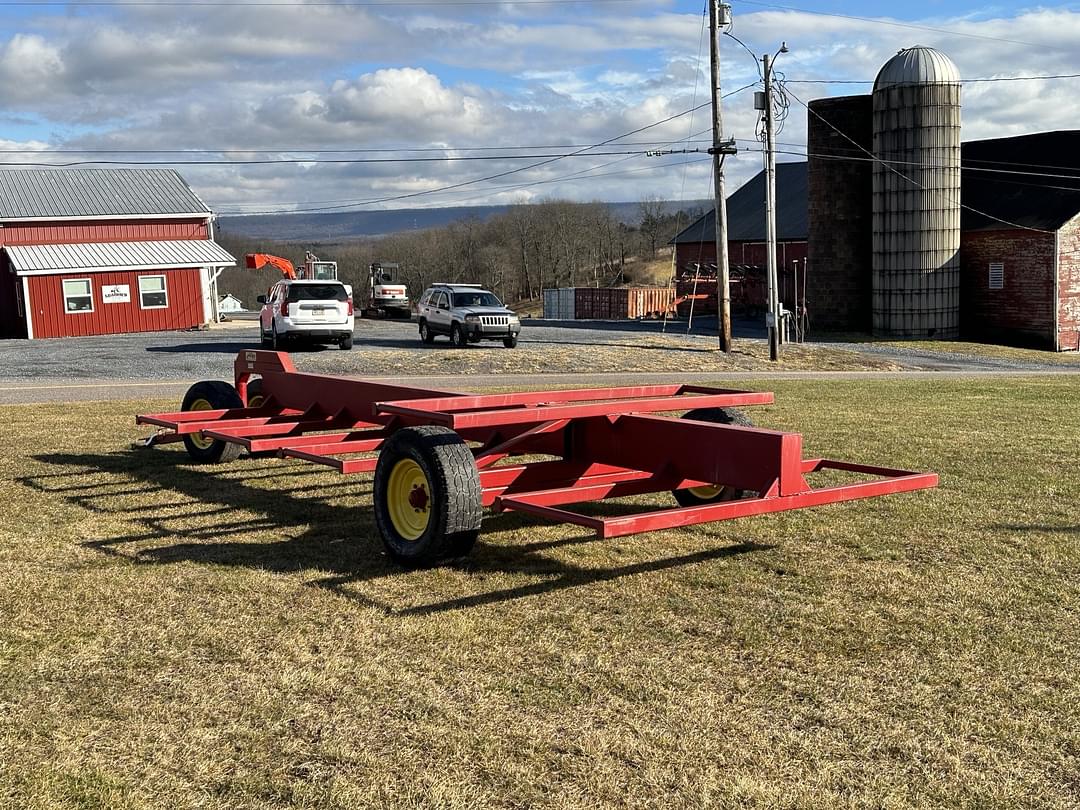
pixel 313 268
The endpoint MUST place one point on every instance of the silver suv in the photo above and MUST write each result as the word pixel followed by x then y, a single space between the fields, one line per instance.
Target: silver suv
pixel 466 313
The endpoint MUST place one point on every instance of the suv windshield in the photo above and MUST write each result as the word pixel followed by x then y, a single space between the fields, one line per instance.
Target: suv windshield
pixel 476 299
pixel 317 292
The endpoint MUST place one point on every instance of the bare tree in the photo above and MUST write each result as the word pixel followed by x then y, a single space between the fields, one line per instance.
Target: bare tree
pixel 652 210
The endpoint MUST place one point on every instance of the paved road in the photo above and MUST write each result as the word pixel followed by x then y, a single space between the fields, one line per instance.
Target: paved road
pixel 165 363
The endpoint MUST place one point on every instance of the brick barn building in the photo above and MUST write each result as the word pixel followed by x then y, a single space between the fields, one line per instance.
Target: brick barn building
pixel 1019 231
pixel 1020 240
pixel 696 244
pixel 102 251
pixel 746 223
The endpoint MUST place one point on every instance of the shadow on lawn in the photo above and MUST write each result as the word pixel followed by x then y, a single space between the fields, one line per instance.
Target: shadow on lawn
pixel 194 512
pixel 1014 527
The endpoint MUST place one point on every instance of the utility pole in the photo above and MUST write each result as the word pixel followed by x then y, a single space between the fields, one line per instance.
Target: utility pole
pixel 772 318
pixel 720 15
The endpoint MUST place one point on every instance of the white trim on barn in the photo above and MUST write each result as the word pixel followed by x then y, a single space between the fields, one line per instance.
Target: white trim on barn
pixel 27 308
pixel 104 217
pixel 207 296
pixel 119 257
pixel 128 268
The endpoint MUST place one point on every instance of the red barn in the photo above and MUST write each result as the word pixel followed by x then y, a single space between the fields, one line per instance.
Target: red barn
pixel 101 251
pixel 696 244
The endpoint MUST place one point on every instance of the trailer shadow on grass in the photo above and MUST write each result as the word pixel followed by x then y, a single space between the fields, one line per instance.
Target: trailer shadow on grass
pixel 234 347
pixel 183 513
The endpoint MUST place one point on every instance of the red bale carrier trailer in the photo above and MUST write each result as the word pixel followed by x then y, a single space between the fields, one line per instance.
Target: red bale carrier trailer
pixel 441 457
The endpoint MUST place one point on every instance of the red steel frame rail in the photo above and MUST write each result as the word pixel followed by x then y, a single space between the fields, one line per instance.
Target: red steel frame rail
pixel 596 444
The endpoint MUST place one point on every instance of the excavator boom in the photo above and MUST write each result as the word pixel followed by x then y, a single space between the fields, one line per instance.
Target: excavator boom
pixel 253 261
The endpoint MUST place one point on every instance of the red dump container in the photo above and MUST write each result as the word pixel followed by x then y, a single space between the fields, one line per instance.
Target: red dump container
pixel 622 303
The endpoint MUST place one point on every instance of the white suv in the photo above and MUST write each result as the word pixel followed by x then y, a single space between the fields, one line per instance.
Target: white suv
pixel 307 309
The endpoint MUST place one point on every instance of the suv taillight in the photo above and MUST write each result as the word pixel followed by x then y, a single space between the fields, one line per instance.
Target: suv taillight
pixel 285 308
pixel 350 312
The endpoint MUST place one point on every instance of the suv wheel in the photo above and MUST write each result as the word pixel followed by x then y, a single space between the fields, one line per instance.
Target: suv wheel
pixel 457 336
pixel 426 335
pixel 510 342
pixel 277 343
pixel 346 342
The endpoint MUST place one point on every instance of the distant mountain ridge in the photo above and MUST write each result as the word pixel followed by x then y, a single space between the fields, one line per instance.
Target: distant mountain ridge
pixel 337 227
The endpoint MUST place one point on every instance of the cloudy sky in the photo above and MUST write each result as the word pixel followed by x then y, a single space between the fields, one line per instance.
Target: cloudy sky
pixel 250 100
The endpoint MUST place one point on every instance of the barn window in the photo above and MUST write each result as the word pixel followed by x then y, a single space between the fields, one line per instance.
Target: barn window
pixel 152 293
pixel 997 275
pixel 77 295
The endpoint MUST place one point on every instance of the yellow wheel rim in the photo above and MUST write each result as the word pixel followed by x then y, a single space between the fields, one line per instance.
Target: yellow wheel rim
pixel 705 493
pixel 198 439
pixel 408 499
pixel 256 401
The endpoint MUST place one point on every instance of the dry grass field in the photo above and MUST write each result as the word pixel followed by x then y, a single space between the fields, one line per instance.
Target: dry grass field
pixel 989 350
pixel 968 348
pixel 630 354
pixel 176 636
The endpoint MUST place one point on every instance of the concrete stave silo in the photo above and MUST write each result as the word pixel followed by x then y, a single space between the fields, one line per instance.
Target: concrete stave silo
pixel 916 196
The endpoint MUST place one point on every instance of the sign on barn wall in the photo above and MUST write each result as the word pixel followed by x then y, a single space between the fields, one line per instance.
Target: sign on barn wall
pixel 116 293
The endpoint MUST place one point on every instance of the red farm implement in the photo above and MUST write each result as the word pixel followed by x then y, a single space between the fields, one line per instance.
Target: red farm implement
pixel 440 457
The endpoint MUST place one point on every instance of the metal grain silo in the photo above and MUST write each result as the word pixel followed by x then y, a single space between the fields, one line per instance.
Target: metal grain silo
pixel 916 210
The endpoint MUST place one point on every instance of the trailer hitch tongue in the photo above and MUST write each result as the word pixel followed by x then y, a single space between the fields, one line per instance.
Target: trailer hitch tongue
pixel 153 438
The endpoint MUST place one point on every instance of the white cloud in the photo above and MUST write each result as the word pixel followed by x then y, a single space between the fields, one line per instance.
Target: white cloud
pixel 28 64
pixel 274 80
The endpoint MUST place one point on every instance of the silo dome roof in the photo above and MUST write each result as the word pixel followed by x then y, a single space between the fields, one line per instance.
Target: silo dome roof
pixel 917 65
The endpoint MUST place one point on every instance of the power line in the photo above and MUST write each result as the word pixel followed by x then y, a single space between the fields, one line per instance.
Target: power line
pixel 498 175
pixel 580 175
pixel 309 150
pixel 318 161
pixel 985 80
pixel 904 176
pixel 585 173
pixel 893 23
pixel 454 186
pixel 299 3
pixel 918 164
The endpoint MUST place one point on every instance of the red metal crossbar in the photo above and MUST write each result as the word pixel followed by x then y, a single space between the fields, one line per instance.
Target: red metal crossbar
pixel 588 444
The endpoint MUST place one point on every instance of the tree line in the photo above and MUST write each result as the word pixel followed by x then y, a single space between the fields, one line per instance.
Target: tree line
pixel 516 254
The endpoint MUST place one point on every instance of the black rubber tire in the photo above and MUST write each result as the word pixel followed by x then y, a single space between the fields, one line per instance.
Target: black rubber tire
pixel 265 340
pixel 277 343
pixel 220 395
pixel 255 392
pixel 256 399
pixel 426 335
pixel 510 342
pixel 721 416
pixel 454 489
pixel 457 336
pixel 346 343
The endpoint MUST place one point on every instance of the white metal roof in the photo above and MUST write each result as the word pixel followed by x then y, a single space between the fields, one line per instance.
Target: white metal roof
pixel 114 256
pixel 41 194
pixel 917 65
